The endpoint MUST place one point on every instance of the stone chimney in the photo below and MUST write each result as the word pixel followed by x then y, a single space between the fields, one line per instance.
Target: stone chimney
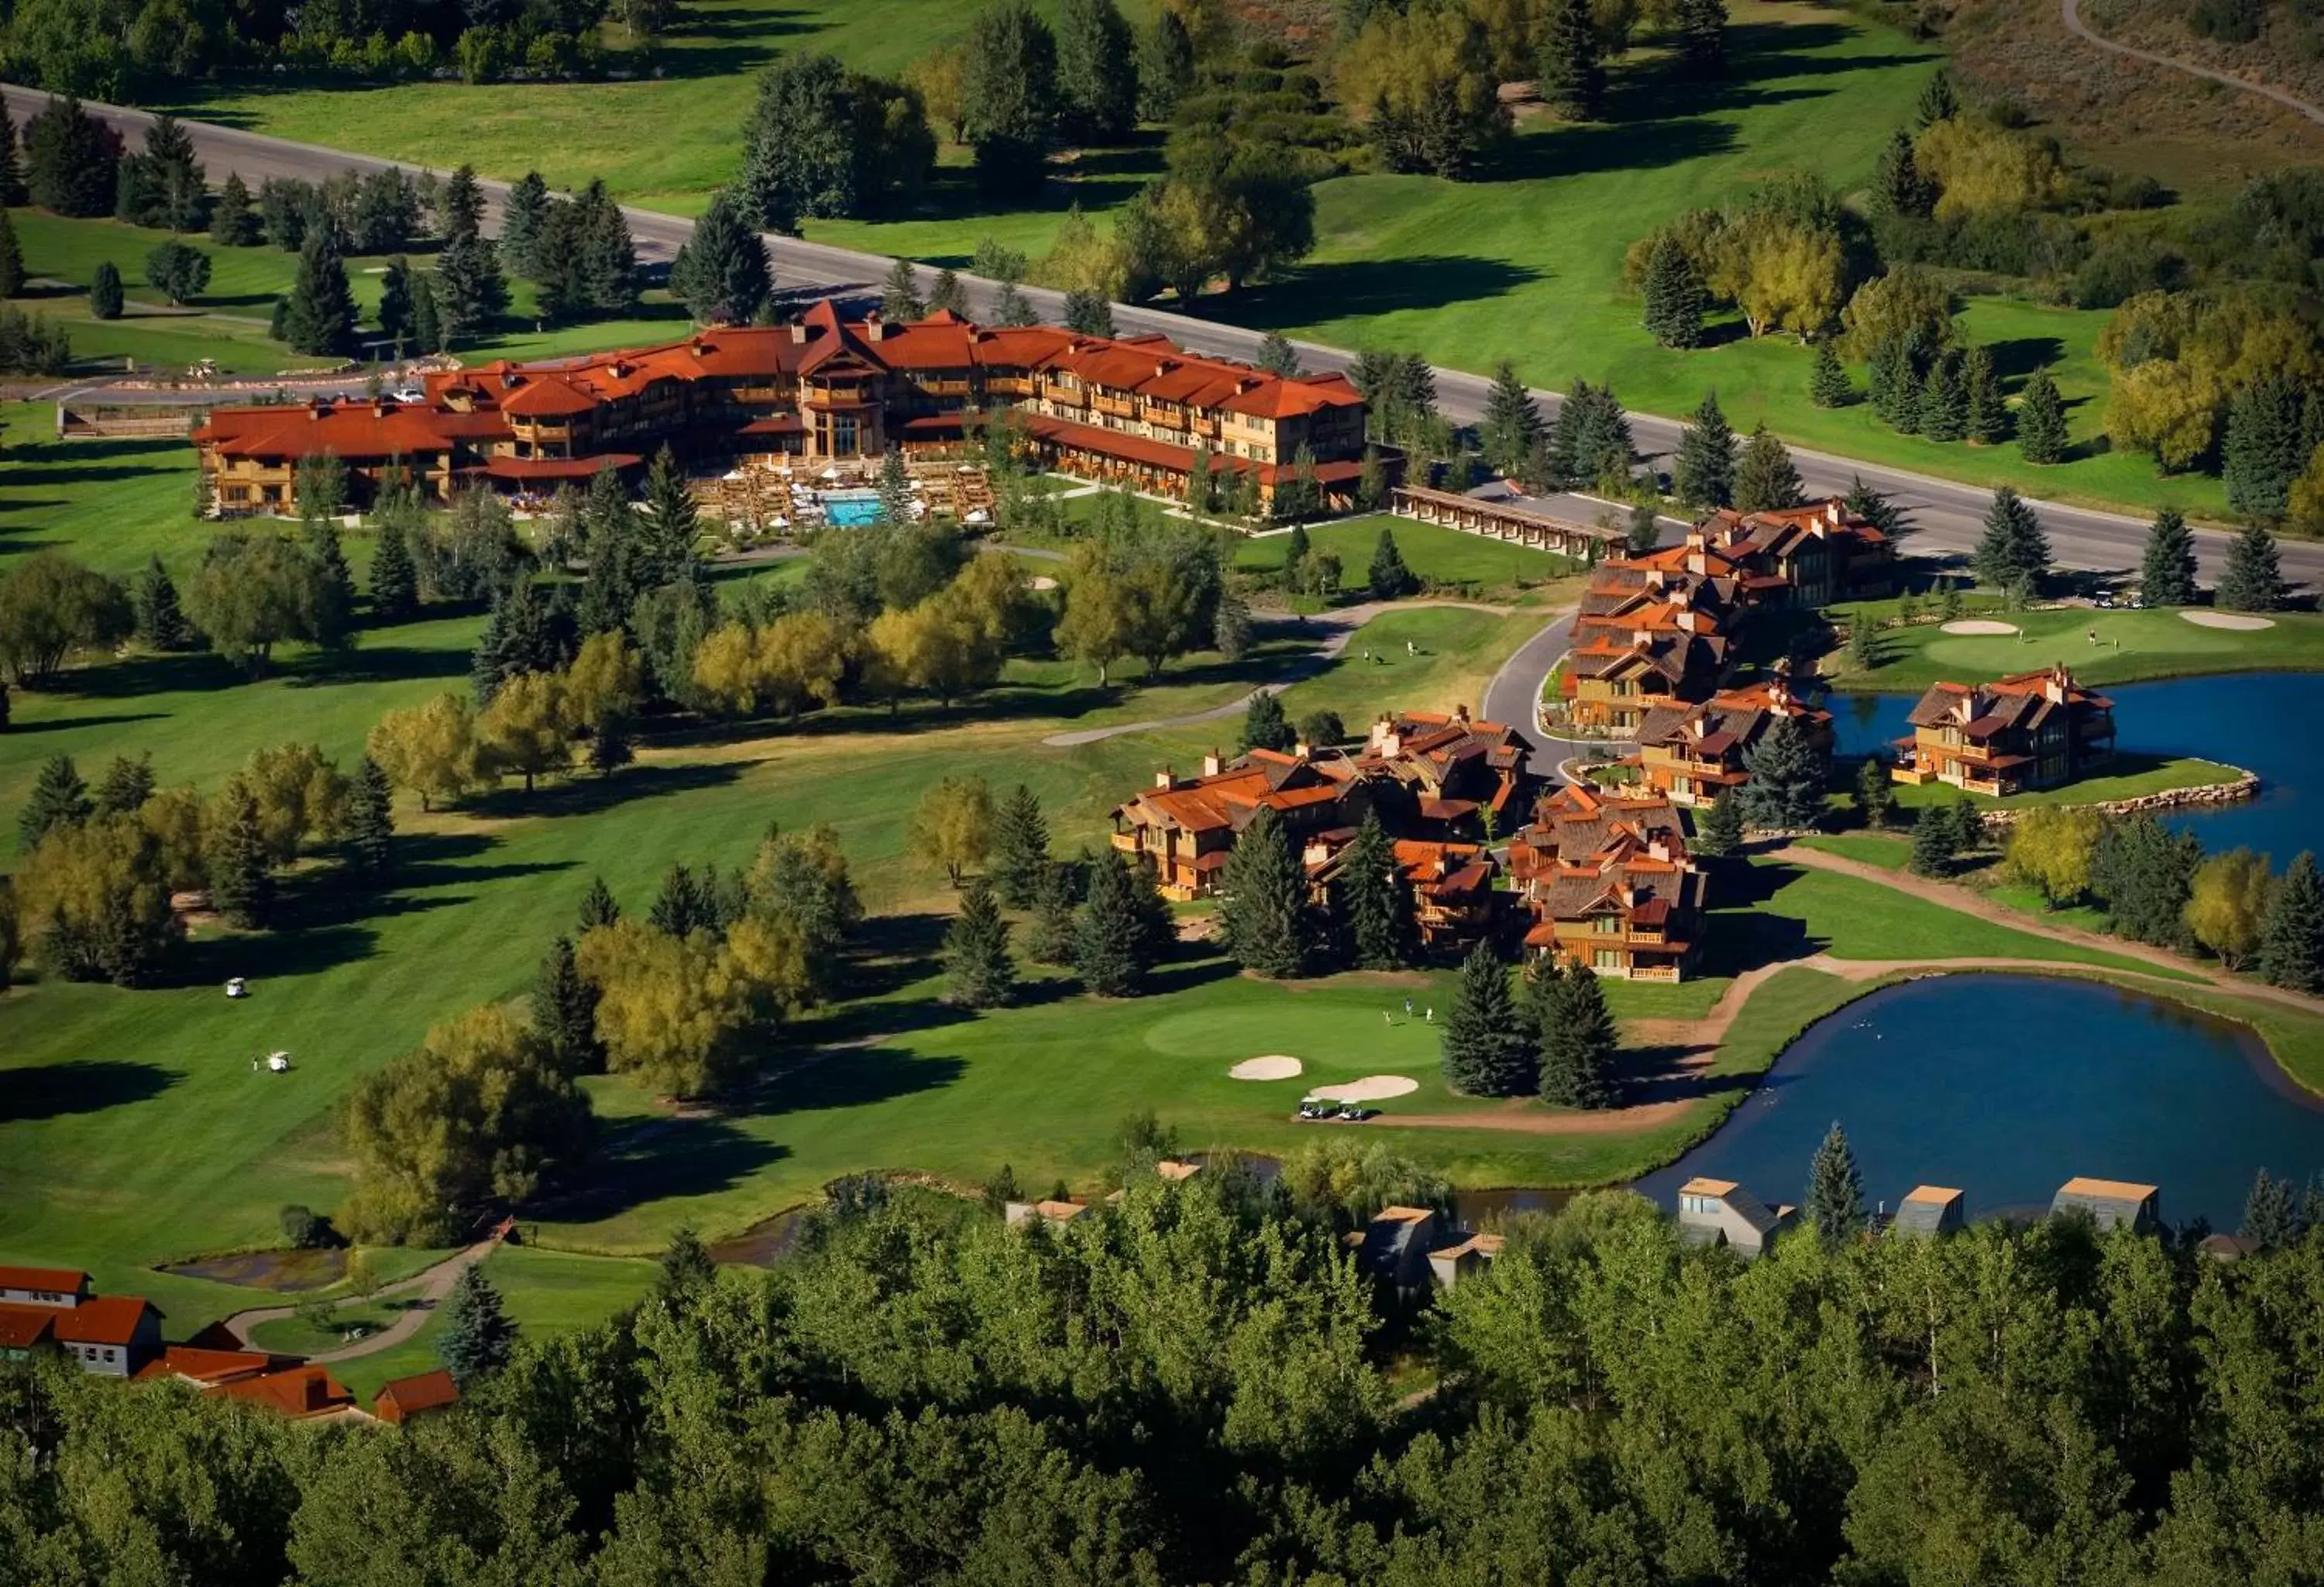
pixel 799 330
pixel 1163 782
pixel 1212 765
pixel 1832 513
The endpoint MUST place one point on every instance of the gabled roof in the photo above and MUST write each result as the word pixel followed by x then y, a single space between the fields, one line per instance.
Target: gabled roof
pixel 47 1280
pixel 422 1391
pixel 2107 1189
pixel 298 1392
pixel 107 1319
pixel 24 1327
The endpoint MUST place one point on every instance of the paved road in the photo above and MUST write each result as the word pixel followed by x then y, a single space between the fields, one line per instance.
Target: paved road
pixel 1510 697
pixel 2069 12
pixel 1948 514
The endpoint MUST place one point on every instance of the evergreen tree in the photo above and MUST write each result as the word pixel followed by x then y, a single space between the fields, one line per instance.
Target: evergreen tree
pixel 1675 300
pixel 610 746
pixel 1123 926
pixel 159 619
pixel 565 1011
pixel 947 296
pixel 1988 410
pixel 1488 1050
pixel 1097 71
pixel 2167 572
pixel 1390 578
pixel 329 597
pixel 59 798
pixel 1827 384
pixel 598 906
pixel 319 316
pixel 687 1272
pixel 1835 1205
pixel 2253 580
pixel 71 160
pixel 469 291
pixel 1577 1036
pixel 394 577
pixel 1703 475
pixel 1701 27
pixel 104 302
pixel 2013 552
pixel 1087 314
pixel 670 542
pixel 1938 100
pixel 1646 529
pixel 126 786
pixel 1263 915
pixel 233 223
pixel 371 820
pixel 1934 843
pixel 687 903
pixel 1010 95
pixel 426 320
pixel 1571 75
pixel 1277 355
pixel 1875 794
pixel 395 313
pixel 1895 383
pixel 1511 425
pixel 12 259
pixel 2143 870
pixel 1900 188
pixel 2262 455
pixel 978 970
pixel 1591 444
pixel 1264 724
pixel 1944 398
pixel 242 881
pixel 523 216
pixel 1165 65
pixel 517 637
pixel 1865 503
pixel 1764 479
pixel 12 193
pixel 475 1337
pixel 722 274
pixel 1053 935
pixel 460 207
pixel 899 294
pixel 2291 939
pixel 1785 790
pixel 1719 831
pixel 1019 863
pixel 2042 421
pixel 1375 906
pixel 2270 1216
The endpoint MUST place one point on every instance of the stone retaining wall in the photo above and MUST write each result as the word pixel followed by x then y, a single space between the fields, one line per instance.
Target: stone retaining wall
pixel 2244 785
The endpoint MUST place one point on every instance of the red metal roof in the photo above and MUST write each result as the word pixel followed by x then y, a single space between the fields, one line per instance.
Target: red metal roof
pixel 50 1280
pixel 423 1391
pixel 108 1319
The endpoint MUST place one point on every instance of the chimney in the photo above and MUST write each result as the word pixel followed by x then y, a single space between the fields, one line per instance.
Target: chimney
pixel 1832 512
pixel 1687 621
pixel 798 331
pixel 1163 782
pixel 1212 765
pixel 1302 750
pixel 1660 848
pixel 1460 715
pixel 874 326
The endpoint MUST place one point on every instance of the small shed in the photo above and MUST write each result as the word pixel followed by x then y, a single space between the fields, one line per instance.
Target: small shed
pixel 2111 1203
pixel 1394 1245
pixel 401 1399
pixel 1456 1262
pixel 1715 1212
pixel 1928 1211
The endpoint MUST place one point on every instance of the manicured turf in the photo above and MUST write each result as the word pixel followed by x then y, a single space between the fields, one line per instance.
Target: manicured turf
pixel 2132 776
pixel 2132 646
pixel 1444 556
pixel 1890 853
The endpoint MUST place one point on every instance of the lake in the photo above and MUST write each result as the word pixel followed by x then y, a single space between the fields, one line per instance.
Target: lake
pixel 2259 721
pixel 2073 1078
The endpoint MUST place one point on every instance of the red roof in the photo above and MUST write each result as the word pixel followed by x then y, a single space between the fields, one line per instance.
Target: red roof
pixel 108 1319
pixel 524 468
pixel 48 1280
pixel 211 1367
pixel 22 1326
pixel 406 1397
pixel 295 1392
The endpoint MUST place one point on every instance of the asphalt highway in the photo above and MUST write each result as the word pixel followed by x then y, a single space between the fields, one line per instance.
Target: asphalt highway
pixel 1946 515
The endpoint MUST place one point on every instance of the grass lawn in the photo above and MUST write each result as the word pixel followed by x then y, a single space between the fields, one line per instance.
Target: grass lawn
pixel 1888 852
pixel 2133 647
pixel 2133 777
pixel 1443 557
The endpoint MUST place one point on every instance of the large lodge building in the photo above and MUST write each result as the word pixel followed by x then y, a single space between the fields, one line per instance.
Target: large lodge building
pixel 1133 411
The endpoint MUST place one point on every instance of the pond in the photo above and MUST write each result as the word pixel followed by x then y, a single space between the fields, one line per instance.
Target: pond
pixel 2006 1086
pixel 2257 721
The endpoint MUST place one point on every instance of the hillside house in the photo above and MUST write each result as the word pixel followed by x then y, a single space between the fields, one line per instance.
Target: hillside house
pixel 42 1286
pixel 1454 902
pixel 109 1336
pixel 1803 558
pixel 1612 678
pixel 1183 828
pixel 1443 774
pixel 1692 754
pixel 2031 730
pixel 1394 1247
pixel 1719 1212
pixel 1928 1211
pixel 2112 1203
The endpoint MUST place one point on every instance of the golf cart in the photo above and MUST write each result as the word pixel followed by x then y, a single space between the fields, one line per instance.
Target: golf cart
pixel 237 987
pixel 1352 1114
pixel 1316 1107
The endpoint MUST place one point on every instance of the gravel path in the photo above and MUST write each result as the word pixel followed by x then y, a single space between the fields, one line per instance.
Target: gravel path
pixel 430 1284
pixel 2071 14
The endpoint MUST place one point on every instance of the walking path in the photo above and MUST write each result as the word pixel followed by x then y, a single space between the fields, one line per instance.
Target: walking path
pixel 2071 14
pixel 431 1285
pixel 1342 626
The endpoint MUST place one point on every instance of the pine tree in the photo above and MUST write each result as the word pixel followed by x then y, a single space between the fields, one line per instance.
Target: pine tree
pixel 242 882
pixel 687 903
pixel 565 1011
pixel 395 315
pixel 1263 887
pixel 394 577
pixel 1374 904
pixel 1988 409
pixel 370 821
pixel 469 291
pixel 159 619
pixel 523 215
pixel 1053 935
pixel 1511 424
pixel 71 162
pixel 947 296
pixel 899 294
pixel 2253 580
pixel 1675 298
pixel 1895 383
pixel 59 798
pixel 1944 398
pixel 1577 1036
pixel 1900 188
pixel 669 543
pixel 12 193
pixel 330 595
pixel 1388 576
pixel 1938 100
pixel 687 1272
pixel 1572 80
pixel 1876 795
pixel 1785 790
pixel 2042 421
pixel 1934 843
pixel 1097 71
pixel 460 207
pixel 1703 475
pixel 1764 479
pixel 1719 831
pixel 1835 1189
pixel 12 259
pixel 1264 724
pixel 722 274
pixel 1645 528
pixel 598 906
pixel 104 301
pixel 126 785
pixel 1488 1050
pixel 2013 552
pixel 1115 941
pixel 2262 454
pixel 1702 27
pixel 1827 384
pixel 1019 863
pixel 2271 1217
pixel 1865 503
pixel 978 970
pixel 427 320
pixel 319 316
pixel 1087 314
pixel 2167 572
pixel 610 746
pixel 2292 940
pixel 1277 355
pixel 475 1338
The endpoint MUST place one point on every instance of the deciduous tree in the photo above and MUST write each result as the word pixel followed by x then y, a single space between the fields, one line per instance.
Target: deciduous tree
pixel 430 749
pixel 2052 849
pixel 2228 903
pixel 953 826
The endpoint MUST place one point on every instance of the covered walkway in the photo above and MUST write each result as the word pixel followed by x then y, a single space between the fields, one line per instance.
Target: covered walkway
pixel 1503 521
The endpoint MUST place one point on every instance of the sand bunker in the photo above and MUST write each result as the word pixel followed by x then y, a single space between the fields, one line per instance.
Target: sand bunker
pixel 1043 582
pixel 1982 625
pixel 1371 1088
pixel 2235 621
pixel 1274 1066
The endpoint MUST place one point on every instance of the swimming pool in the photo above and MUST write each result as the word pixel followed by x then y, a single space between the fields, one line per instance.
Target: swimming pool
pixel 850 509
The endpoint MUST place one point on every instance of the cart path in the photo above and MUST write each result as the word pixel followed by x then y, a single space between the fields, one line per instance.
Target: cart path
pixel 1341 625
pixel 432 1284
pixel 2069 12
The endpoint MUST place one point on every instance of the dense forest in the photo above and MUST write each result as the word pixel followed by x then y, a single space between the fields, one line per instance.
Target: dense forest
pixel 1196 1385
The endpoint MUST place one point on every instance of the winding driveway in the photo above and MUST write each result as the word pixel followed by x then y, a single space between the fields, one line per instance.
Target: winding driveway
pixel 431 1285
pixel 1342 624
pixel 2069 12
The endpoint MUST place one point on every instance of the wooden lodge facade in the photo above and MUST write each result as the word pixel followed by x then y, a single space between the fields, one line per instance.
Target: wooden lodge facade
pixel 1609 882
pixel 2029 731
pixel 1691 754
pixel 1134 410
